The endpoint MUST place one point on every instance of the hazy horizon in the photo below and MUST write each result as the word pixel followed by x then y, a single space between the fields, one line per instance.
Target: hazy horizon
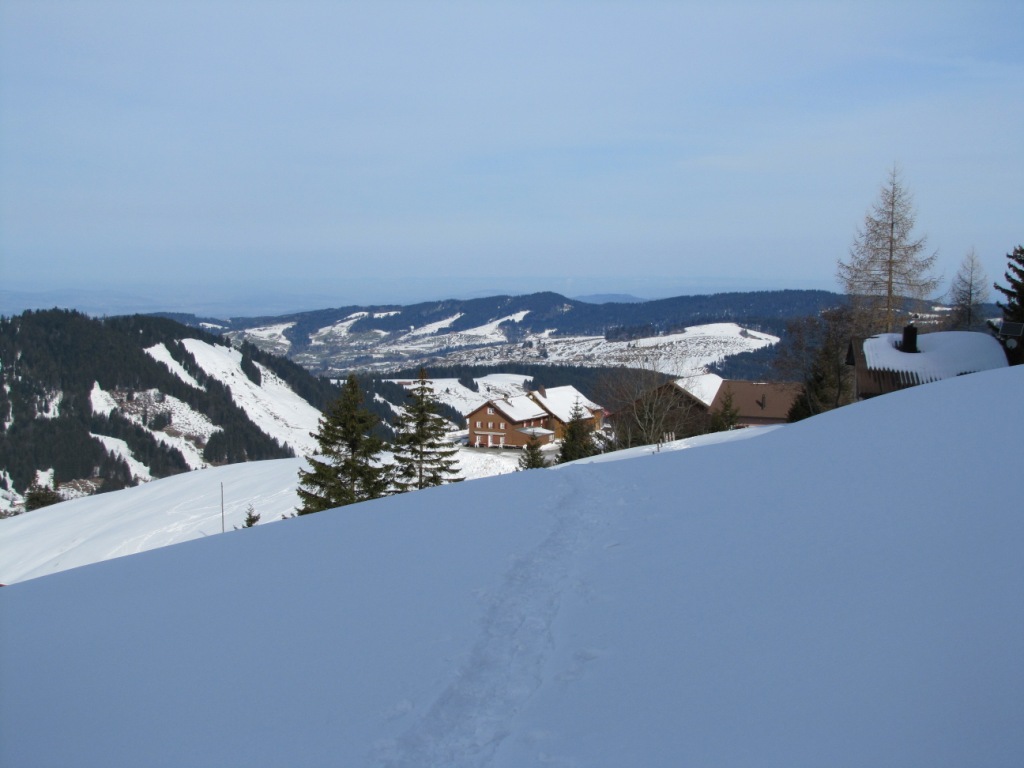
pixel 245 156
pixel 225 304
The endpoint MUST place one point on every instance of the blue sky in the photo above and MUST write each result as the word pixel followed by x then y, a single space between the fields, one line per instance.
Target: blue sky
pixel 256 156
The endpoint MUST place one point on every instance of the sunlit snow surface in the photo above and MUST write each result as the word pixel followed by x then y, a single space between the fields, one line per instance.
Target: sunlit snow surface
pixel 844 591
pixel 170 511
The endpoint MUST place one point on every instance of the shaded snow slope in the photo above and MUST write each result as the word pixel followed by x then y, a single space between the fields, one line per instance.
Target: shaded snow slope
pixel 843 591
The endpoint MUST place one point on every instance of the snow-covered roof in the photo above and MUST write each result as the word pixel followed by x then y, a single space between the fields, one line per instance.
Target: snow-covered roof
pixel 519 408
pixel 704 386
pixel 942 355
pixel 559 401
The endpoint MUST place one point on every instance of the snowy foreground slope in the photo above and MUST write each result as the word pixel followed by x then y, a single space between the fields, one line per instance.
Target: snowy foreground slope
pixel 844 591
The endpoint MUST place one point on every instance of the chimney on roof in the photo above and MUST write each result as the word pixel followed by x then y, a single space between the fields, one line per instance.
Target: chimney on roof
pixel 542 390
pixel 909 343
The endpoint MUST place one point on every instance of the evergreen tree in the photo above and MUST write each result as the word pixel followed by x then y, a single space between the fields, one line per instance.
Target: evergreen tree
pixel 347 469
pixel 251 517
pixel 727 416
pixel 577 440
pixel 532 457
pixel 813 353
pixel 424 457
pixel 1013 309
pixel 39 496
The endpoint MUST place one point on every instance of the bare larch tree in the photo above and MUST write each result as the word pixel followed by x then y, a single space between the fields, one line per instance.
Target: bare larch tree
pixel 886 262
pixel 968 290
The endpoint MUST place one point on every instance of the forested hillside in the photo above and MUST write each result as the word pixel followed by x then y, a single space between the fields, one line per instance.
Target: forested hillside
pixel 51 364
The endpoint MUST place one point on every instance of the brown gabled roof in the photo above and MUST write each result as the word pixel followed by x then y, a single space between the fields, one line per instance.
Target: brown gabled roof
pixel 758 401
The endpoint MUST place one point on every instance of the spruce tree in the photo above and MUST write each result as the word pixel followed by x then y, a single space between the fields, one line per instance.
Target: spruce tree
pixel 532 457
pixel 251 517
pixel 424 456
pixel 1013 309
pixel 577 440
pixel 347 469
pixel 727 416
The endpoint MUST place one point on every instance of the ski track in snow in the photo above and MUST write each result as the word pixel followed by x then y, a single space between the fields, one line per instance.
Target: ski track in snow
pixel 467 723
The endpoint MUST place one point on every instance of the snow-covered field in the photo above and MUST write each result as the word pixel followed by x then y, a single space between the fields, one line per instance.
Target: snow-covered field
pixel 842 591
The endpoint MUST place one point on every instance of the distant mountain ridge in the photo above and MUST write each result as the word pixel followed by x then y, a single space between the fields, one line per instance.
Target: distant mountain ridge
pixel 498 328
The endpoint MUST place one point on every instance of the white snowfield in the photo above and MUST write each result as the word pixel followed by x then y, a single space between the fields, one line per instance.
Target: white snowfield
pixel 846 591
pixel 169 511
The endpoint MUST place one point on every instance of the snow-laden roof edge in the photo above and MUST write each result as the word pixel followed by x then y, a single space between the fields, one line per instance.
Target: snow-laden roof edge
pixel 942 354
pixel 704 386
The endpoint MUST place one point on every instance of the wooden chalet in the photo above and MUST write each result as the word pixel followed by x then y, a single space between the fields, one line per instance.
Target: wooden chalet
pixel 509 423
pixel 512 421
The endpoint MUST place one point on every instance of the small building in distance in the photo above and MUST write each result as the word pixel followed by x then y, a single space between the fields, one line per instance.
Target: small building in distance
pixel 892 361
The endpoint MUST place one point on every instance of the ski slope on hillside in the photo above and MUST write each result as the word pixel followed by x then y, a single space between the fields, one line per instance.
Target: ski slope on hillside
pixel 271 405
pixel 842 591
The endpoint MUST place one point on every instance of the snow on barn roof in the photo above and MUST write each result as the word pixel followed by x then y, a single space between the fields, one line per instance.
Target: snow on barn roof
pixel 704 386
pixel 942 355
pixel 519 408
pixel 559 401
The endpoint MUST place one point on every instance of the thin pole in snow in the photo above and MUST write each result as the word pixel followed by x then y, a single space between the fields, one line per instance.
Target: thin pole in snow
pixel 222 507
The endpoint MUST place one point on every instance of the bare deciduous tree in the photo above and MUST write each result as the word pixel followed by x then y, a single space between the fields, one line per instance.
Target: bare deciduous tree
pixel 886 262
pixel 646 408
pixel 968 290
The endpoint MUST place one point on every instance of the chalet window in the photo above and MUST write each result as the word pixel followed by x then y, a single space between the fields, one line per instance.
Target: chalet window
pixel 478 425
pixel 490 411
pixel 490 425
pixel 501 425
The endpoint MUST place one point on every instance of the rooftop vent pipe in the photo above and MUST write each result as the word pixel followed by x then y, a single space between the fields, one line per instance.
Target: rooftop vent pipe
pixel 909 343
